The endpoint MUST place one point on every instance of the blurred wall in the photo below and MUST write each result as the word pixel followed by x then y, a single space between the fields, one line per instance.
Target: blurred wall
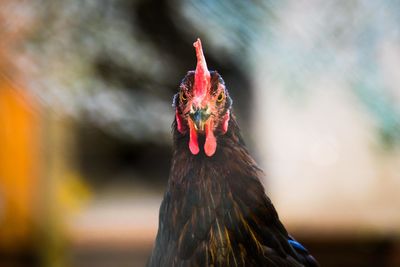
pixel 327 116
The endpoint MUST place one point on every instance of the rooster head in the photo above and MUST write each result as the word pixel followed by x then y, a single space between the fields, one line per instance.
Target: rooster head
pixel 202 106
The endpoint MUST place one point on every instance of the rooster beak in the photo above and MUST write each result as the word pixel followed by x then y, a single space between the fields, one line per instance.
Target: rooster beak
pixel 199 116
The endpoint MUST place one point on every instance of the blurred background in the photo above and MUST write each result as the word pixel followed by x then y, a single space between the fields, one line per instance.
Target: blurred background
pixel 85 121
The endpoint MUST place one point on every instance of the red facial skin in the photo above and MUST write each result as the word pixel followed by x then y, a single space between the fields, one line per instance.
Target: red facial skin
pixel 179 125
pixel 217 122
pixel 225 122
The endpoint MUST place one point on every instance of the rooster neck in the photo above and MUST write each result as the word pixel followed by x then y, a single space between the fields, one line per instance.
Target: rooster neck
pixel 231 158
pixel 217 182
pixel 209 201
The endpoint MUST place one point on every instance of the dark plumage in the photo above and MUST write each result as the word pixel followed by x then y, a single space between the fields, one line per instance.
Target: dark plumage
pixel 215 211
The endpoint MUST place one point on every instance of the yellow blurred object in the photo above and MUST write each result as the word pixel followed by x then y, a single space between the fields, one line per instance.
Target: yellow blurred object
pixel 71 193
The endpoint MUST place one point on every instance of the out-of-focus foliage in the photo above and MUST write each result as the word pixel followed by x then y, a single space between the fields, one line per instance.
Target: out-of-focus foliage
pixel 76 45
pixel 236 26
pixel 96 62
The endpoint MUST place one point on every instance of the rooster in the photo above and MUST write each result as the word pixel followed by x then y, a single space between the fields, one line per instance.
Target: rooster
pixel 215 211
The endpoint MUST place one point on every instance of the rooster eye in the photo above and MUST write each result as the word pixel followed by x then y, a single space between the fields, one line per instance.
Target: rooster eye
pixel 183 96
pixel 220 97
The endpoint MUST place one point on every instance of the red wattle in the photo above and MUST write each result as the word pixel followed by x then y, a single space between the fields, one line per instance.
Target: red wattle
pixel 193 143
pixel 210 145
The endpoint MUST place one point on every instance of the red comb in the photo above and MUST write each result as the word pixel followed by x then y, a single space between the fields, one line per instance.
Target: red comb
pixel 202 75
